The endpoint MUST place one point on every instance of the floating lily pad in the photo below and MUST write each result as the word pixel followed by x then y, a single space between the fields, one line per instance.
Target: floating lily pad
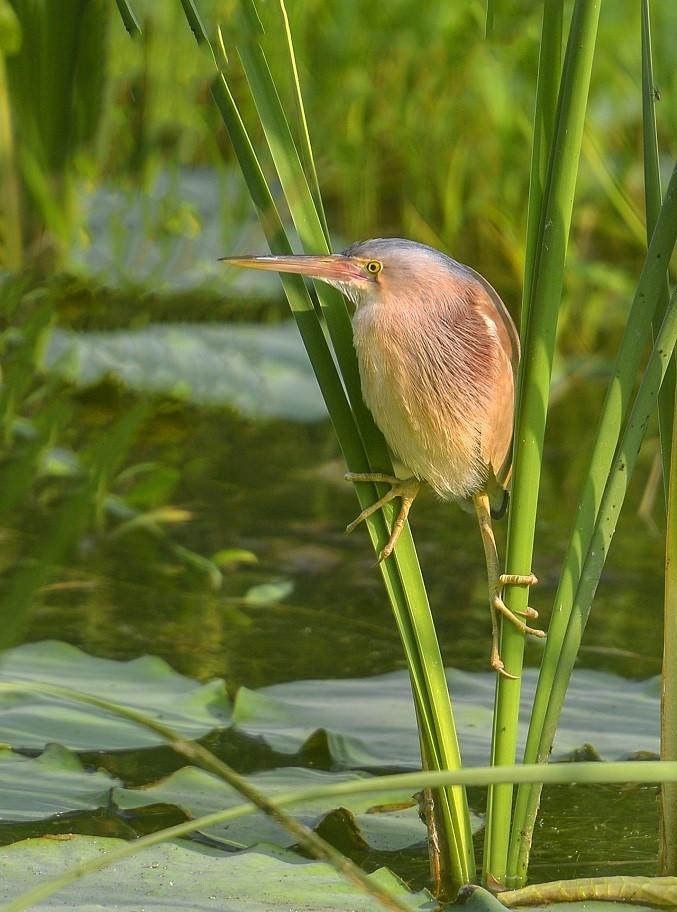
pixel 175 878
pixel 370 721
pixel 168 236
pixel 198 793
pixel 262 371
pixel 29 720
pixel 54 782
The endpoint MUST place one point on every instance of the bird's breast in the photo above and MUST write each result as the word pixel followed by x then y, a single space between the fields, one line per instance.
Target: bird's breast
pixel 424 395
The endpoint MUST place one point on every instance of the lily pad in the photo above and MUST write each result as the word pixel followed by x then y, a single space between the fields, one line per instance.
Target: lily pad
pixel 198 793
pixel 169 235
pixel 175 878
pixel 370 721
pixel 29 720
pixel 54 782
pixel 262 371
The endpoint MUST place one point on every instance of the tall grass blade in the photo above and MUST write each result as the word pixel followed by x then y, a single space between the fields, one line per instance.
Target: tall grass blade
pixel 128 16
pixel 652 197
pixel 11 253
pixel 304 133
pixel 667 402
pixel 668 834
pixel 609 510
pixel 581 544
pixel 532 404
pixel 67 523
pixel 362 444
pixel 547 90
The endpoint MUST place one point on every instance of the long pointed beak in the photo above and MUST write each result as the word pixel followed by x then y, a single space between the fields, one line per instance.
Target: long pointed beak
pixel 330 268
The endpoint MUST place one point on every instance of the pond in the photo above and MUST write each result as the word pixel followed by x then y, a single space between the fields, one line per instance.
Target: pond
pixel 258 490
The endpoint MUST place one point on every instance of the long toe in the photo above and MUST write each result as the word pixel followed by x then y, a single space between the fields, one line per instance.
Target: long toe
pixel 406 489
pixel 516 579
pixel 499 605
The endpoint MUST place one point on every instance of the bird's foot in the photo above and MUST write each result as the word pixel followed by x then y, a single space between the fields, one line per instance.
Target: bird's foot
pixel 405 489
pixel 498 606
pixel 516 579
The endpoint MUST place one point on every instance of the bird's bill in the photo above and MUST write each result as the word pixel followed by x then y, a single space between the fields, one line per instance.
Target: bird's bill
pixel 331 268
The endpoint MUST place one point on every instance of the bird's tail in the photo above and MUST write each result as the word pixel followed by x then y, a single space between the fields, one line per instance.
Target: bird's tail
pixel 498 496
pixel 499 506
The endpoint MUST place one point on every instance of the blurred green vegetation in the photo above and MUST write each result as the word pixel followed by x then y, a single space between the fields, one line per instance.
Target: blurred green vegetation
pixel 421 127
pixel 119 191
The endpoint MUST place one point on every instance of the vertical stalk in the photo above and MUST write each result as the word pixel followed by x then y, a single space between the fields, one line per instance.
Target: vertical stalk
pixel 668 834
pixel 532 404
pixel 362 443
pixel 306 147
pixel 652 200
pixel 547 88
pixel 667 402
pixel 11 252
pixel 628 361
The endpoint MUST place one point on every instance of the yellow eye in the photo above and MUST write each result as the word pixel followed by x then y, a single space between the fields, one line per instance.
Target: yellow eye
pixel 374 267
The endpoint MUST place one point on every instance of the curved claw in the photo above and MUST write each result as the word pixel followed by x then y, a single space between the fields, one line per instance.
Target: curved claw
pixel 499 605
pixel 499 668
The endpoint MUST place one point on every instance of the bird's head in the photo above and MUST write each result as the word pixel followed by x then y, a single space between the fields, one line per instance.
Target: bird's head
pixel 374 271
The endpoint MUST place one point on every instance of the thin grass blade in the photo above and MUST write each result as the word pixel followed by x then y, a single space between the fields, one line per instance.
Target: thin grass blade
pixel 597 522
pixel 547 89
pixel 652 198
pixel 532 403
pixel 304 133
pixel 401 575
pixel 315 844
pixel 668 833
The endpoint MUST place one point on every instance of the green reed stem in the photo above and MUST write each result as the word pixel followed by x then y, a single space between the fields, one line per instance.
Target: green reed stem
pixel 668 832
pixel 667 402
pixel 305 145
pixel 598 514
pixel 11 252
pixel 532 403
pixel 128 16
pixel 652 199
pixel 547 89
pixel 362 444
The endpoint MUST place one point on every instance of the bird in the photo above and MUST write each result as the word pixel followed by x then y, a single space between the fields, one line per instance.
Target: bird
pixel 438 353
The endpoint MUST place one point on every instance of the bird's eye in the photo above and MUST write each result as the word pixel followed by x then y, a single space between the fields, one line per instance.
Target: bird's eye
pixel 374 267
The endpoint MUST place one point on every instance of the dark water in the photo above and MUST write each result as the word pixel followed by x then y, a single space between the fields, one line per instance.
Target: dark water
pixel 275 489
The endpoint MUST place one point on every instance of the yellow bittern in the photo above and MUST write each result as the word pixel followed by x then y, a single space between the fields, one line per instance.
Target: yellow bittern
pixel 437 353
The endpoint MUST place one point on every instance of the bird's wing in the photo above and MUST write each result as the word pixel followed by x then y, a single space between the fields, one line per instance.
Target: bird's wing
pixel 490 305
pixel 497 446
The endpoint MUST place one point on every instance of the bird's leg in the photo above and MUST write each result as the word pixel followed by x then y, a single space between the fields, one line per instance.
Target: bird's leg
pixel 406 489
pixel 496 580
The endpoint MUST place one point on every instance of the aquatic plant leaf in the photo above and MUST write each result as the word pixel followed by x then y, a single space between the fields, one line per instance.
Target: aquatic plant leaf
pixel 269 593
pixel 148 684
pixel 477 899
pixel 54 782
pixel 594 894
pixel 370 721
pixel 389 821
pixel 261 371
pixel 176 877
pixel 169 235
